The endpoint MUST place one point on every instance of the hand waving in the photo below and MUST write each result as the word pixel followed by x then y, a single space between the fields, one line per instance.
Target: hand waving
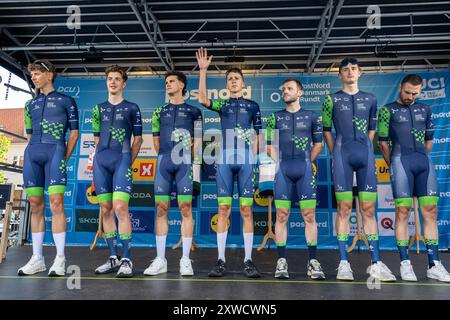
pixel 202 58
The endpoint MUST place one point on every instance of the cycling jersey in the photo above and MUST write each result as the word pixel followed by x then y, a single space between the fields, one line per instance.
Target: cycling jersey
pixel 114 125
pixel 296 133
pixel 175 124
pixel 412 173
pixel 237 116
pixel 407 127
pixel 353 116
pixel 47 119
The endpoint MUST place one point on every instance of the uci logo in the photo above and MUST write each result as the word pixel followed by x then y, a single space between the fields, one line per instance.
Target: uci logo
pixel 433 83
pixel 72 91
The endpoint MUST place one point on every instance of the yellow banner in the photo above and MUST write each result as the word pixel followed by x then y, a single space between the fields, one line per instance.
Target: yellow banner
pixel 382 170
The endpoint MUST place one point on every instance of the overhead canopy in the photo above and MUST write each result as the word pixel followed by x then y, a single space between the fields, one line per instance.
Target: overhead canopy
pixel 282 36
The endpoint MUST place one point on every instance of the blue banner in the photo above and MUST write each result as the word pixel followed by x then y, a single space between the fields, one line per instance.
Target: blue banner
pixel 149 93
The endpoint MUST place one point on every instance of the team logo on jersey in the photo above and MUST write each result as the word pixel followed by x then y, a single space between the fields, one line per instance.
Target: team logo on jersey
pixel 344 107
pixel 402 119
pixel 419 117
pixel 361 106
pixel 301 125
pixel 336 99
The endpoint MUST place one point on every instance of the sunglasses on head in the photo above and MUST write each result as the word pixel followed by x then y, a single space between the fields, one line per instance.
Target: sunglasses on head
pixel 41 63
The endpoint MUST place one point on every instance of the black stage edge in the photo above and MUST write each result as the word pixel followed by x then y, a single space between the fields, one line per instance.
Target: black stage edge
pixel 232 289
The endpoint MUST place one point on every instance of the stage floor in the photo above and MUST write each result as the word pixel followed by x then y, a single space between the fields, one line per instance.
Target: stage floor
pixel 234 286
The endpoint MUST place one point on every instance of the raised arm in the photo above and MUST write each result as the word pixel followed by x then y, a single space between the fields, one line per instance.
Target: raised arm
pixel 203 63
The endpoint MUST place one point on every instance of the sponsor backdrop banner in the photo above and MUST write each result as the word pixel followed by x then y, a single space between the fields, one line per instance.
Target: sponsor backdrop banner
pixel 148 93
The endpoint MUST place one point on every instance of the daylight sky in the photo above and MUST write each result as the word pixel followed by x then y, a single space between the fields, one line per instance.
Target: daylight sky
pixel 16 99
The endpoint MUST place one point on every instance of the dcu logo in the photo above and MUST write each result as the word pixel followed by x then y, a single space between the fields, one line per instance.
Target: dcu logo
pixel 71 91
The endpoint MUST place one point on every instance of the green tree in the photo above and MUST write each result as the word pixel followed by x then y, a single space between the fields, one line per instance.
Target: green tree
pixel 4 148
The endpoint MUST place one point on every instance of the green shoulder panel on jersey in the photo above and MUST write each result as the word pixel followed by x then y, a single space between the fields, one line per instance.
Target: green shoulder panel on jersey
pixel 216 105
pixel 384 116
pixel 327 113
pixel 156 117
pixel 28 123
pixel 270 126
pixel 96 123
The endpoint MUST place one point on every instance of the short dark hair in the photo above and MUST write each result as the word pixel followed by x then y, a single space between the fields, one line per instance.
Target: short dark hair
pixel 235 70
pixel 413 79
pixel 180 76
pixel 116 68
pixel 348 60
pixel 298 82
pixel 43 66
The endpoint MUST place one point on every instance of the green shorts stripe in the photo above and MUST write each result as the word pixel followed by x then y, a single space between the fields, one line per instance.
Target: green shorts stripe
pixel 246 201
pixel 184 198
pixel 346 196
pixel 56 189
pixel 104 197
pixel 162 198
pixel 118 195
pixel 283 204
pixel 367 196
pixel 403 202
pixel 224 201
pixel 35 191
pixel 308 204
pixel 428 201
